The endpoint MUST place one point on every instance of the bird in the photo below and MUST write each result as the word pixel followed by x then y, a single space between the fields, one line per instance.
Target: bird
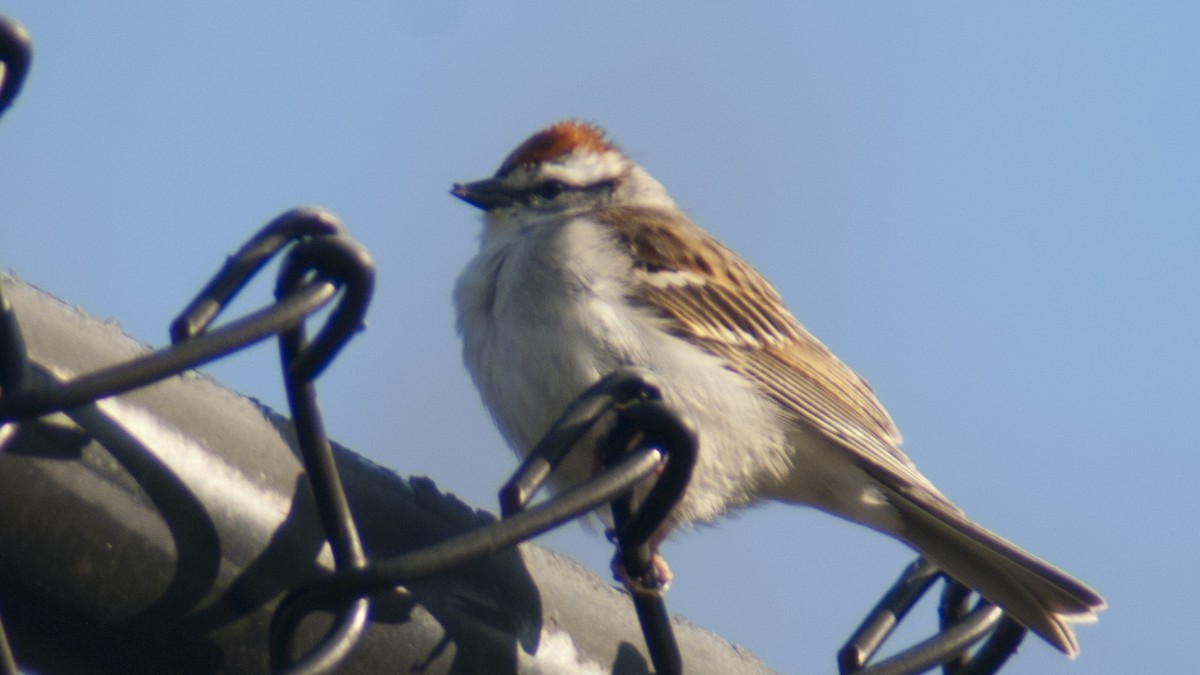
pixel 586 265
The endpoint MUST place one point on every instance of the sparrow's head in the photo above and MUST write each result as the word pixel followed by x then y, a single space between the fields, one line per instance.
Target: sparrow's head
pixel 568 166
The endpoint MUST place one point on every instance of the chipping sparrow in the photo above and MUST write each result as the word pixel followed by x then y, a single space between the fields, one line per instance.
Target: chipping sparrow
pixel 586 264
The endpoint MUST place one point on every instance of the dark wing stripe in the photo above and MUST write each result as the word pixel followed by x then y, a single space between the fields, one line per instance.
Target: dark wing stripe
pixel 747 312
pixel 689 310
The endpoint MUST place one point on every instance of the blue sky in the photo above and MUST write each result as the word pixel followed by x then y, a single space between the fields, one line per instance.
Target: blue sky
pixel 990 212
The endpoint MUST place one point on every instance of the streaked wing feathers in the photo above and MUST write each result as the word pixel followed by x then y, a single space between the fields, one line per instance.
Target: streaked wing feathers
pixel 712 297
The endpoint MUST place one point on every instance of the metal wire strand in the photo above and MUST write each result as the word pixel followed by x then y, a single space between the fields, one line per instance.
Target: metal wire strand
pixel 953 606
pixel 628 403
pixel 290 226
pixel 341 261
pixel 934 651
pixel 14 358
pixel 314 271
pixel 960 629
pixel 992 656
pixel 650 423
pixel 644 435
pixel 320 255
pixel 594 408
pixel 152 367
pixel 885 616
pixel 389 574
pixel 16 53
pixel 348 265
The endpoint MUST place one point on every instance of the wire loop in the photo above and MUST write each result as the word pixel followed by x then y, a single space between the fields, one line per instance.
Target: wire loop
pixel 961 628
pixel 16 53
pixel 626 408
pixel 291 226
pixel 341 261
pixel 337 260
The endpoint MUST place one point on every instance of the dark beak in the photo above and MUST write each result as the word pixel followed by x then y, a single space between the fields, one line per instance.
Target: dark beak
pixel 486 194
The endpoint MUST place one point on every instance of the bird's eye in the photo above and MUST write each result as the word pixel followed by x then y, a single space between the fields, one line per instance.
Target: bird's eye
pixel 550 189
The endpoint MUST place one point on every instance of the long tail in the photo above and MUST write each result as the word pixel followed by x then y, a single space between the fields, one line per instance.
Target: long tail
pixel 1038 595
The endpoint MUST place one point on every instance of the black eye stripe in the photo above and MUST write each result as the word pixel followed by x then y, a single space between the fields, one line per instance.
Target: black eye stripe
pixel 551 189
pixel 544 191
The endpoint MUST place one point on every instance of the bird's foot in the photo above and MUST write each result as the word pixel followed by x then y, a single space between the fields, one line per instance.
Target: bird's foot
pixel 654 581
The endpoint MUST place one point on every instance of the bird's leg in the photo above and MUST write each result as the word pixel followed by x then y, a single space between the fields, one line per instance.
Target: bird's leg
pixel 655 575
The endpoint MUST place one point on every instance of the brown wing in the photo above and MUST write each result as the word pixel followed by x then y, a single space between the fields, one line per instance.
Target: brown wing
pixel 713 298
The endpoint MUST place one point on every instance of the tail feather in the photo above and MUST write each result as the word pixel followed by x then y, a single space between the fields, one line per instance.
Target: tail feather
pixel 1036 594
